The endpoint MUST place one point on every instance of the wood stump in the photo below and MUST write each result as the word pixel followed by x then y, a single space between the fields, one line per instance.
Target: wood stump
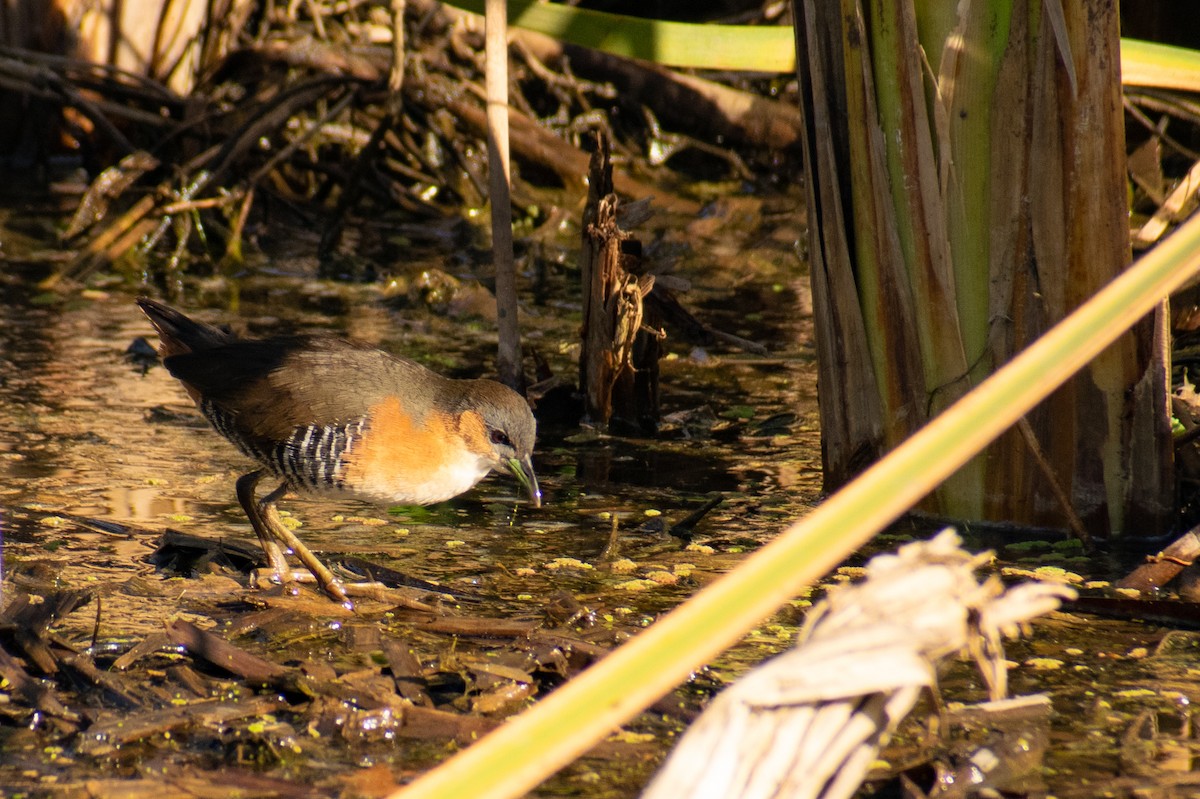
pixel 621 335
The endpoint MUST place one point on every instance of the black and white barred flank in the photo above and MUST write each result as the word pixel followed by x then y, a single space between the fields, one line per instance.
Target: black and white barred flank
pixel 311 457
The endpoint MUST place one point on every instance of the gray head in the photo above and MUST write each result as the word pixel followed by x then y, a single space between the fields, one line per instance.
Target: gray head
pixel 498 425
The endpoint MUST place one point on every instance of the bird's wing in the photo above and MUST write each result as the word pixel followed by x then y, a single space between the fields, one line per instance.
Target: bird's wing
pixel 270 387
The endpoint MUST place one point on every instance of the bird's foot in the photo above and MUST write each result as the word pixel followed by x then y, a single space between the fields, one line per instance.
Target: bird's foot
pixel 375 591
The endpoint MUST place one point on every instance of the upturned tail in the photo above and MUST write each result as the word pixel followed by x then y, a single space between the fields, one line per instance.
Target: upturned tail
pixel 179 334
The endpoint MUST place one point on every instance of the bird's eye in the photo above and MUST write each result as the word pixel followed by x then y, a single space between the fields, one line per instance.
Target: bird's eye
pixel 500 438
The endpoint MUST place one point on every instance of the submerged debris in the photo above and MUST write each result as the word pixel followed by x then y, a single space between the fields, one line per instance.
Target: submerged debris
pixel 268 687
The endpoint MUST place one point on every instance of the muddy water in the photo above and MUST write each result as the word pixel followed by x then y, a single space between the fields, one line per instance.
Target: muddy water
pixel 101 452
pixel 89 431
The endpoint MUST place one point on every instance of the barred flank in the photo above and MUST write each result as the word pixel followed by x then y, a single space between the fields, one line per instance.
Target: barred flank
pixel 311 457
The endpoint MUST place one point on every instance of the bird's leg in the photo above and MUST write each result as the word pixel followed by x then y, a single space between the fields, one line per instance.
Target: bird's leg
pixel 272 532
pixel 283 534
pixel 246 486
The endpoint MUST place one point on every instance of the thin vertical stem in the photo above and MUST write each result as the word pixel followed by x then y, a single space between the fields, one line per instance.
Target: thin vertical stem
pixel 508 357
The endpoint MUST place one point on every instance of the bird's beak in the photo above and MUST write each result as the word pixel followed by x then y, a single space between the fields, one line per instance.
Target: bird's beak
pixel 522 469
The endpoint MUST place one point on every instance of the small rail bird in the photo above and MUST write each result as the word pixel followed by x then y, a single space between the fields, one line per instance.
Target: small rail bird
pixel 326 415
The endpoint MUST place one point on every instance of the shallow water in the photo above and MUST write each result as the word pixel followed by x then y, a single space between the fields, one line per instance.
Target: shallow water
pixel 89 433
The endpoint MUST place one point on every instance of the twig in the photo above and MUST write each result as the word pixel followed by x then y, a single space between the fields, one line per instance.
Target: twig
pixel 684 527
pixel 1060 493
pixel 295 144
pixel 184 206
pixel 102 244
pixel 1169 211
pixel 43 76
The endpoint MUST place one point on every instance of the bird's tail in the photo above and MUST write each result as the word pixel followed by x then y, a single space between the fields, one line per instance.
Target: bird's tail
pixel 179 334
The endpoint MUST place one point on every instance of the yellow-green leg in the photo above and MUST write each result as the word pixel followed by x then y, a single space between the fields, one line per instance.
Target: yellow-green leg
pixel 272 533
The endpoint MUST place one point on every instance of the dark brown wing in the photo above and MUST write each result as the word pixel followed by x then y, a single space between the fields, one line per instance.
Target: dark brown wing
pixel 270 387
